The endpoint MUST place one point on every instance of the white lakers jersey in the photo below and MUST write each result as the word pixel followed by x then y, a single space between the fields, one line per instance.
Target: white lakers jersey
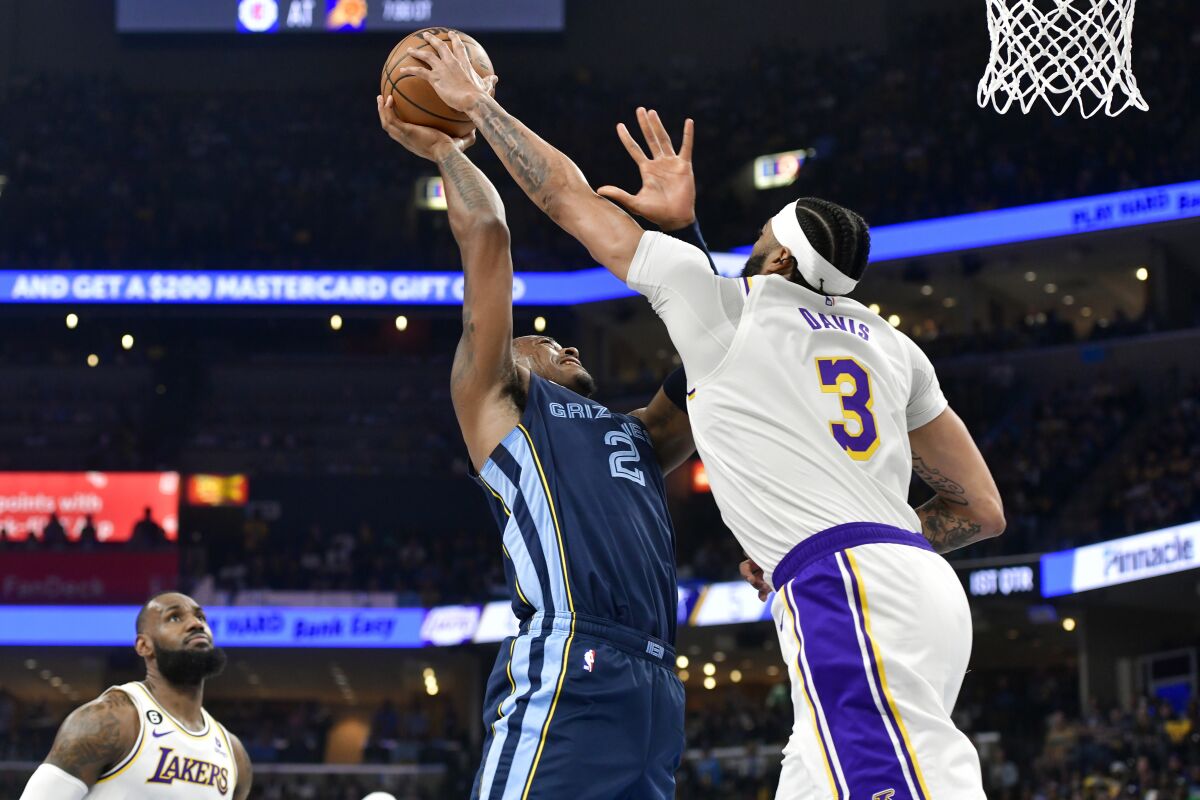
pixel 800 405
pixel 169 762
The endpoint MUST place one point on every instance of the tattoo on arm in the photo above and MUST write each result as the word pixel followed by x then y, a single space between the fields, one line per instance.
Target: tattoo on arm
pixel 92 738
pixel 518 147
pixel 945 527
pixel 942 520
pixel 947 489
pixel 463 174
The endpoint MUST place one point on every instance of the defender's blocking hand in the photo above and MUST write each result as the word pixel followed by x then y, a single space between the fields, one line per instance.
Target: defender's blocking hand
pixel 668 194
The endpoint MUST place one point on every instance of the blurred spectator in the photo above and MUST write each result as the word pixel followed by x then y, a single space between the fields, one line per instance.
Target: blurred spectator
pixel 148 534
pixel 54 535
pixel 87 534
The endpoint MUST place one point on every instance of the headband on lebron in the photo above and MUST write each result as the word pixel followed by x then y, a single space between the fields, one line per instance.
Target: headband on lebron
pixel 816 271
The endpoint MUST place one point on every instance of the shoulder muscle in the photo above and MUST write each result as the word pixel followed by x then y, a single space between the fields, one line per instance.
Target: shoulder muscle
pixel 95 736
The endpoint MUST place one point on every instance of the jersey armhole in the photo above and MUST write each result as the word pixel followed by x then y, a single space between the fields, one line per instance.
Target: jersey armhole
pixel 229 746
pixel 132 755
pixel 907 345
pixel 754 289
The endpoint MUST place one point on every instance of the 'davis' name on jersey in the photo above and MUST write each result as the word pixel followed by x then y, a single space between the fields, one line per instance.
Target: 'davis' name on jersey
pixel 836 322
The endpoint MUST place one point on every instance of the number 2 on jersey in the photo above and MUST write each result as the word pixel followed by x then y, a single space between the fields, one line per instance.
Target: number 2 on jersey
pixel 856 431
pixel 628 454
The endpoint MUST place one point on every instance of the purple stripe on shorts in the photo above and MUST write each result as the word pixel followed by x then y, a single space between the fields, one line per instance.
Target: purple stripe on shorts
pixel 835 662
pixel 876 678
pixel 800 673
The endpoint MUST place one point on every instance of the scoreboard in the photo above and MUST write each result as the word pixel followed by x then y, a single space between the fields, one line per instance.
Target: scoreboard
pixel 335 16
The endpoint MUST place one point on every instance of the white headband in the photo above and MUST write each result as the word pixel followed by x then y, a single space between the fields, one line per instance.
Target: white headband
pixel 819 273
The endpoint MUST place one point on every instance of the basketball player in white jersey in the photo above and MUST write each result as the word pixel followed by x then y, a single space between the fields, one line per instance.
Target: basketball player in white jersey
pixel 810 413
pixel 151 739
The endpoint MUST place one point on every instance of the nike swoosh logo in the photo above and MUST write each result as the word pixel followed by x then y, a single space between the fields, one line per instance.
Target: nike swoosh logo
pixel 158 735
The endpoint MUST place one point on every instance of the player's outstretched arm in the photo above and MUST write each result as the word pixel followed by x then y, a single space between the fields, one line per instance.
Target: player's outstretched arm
pixel 245 770
pixel 484 381
pixel 967 508
pixel 550 179
pixel 668 194
pixel 93 738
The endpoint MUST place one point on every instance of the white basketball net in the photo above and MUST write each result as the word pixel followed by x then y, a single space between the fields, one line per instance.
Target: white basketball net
pixel 1078 51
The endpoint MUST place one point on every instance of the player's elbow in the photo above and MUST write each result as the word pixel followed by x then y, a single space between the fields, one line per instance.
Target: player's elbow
pixel 487 231
pixel 991 518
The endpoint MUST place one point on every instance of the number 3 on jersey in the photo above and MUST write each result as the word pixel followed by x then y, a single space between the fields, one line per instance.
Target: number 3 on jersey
pixel 856 431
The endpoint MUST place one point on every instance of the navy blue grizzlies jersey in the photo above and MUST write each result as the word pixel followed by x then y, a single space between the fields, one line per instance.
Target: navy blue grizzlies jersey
pixel 578 493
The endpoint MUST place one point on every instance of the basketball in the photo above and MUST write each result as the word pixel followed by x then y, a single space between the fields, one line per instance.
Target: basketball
pixel 414 99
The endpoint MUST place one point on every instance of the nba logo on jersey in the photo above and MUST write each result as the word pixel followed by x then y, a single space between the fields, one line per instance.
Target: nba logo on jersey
pixel 589 660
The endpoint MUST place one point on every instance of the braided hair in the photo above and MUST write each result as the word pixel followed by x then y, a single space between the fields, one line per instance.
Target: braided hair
pixel 838 234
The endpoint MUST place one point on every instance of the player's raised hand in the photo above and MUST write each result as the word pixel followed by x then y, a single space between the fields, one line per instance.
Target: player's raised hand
pixel 448 70
pixel 668 194
pixel 419 140
pixel 752 573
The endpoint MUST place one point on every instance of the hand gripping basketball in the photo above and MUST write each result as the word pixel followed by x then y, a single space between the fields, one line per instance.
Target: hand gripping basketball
pixel 449 72
pixel 419 140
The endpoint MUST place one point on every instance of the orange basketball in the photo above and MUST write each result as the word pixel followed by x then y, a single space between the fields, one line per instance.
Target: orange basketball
pixel 414 99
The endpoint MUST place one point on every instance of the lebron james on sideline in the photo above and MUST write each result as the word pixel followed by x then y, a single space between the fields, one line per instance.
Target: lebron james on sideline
pixel 152 738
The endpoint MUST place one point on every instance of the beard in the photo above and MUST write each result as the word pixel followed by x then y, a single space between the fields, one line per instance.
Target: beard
pixel 185 667
pixel 754 265
pixel 585 384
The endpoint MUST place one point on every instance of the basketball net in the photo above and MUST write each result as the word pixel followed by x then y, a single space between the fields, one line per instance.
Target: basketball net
pixel 1078 51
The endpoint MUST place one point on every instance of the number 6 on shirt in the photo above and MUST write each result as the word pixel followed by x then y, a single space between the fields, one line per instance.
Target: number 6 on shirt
pixel 856 431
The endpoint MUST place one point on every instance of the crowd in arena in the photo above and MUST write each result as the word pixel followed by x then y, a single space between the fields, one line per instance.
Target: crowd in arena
pixel 1044 447
pixel 1150 750
pixel 290 178
pixel 1032 748
pixel 146 534
pixel 1160 486
pixel 1043 443
pixel 1041 453
pixel 294 179
pixel 451 567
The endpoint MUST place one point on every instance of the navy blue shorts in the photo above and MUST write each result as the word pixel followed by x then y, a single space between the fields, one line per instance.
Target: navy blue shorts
pixel 593 712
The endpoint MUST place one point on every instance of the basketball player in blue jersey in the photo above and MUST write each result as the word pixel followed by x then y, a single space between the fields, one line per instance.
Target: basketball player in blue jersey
pixel 584 702
pixel 811 414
